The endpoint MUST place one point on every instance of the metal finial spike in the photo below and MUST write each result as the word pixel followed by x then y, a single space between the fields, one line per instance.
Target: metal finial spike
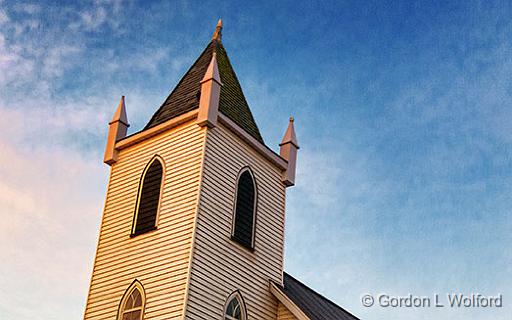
pixel 292 119
pixel 217 35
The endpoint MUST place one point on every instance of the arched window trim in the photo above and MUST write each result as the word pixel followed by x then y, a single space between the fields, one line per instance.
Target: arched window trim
pixel 139 192
pixel 254 219
pixel 135 285
pixel 235 295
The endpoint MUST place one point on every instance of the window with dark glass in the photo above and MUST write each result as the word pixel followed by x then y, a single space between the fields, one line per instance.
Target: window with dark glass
pixel 245 207
pixel 149 198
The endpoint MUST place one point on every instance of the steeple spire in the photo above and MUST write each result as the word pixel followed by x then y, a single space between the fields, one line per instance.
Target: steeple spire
pixel 191 91
pixel 217 35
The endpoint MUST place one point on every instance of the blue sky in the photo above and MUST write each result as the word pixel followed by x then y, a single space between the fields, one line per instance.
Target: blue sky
pixel 403 113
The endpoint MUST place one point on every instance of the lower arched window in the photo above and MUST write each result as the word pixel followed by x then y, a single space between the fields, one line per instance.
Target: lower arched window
pixel 235 308
pixel 133 303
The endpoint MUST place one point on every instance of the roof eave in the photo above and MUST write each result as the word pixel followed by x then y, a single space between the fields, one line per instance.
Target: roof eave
pixel 287 302
pixel 259 147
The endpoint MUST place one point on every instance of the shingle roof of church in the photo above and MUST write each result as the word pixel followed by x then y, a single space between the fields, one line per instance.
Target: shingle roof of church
pixel 185 96
pixel 313 304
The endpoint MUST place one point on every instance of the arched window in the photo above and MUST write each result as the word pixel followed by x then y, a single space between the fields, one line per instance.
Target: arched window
pixel 133 303
pixel 235 308
pixel 149 197
pixel 245 208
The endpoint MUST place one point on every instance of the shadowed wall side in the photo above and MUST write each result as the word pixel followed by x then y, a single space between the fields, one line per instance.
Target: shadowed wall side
pixel 220 265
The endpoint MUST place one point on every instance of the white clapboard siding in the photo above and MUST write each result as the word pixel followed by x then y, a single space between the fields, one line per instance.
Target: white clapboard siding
pixel 159 259
pixel 219 265
pixel 284 314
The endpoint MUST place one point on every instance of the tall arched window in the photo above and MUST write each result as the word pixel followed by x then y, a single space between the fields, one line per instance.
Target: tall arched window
pixel 149 197
pixel 235 308
pixel 245 209
pixel 133 303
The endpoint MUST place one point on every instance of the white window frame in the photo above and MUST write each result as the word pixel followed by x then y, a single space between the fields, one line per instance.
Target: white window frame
pixel 139 192
pixel 253 235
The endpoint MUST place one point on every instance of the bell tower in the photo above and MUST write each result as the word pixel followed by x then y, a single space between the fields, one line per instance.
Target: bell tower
pixel 193 223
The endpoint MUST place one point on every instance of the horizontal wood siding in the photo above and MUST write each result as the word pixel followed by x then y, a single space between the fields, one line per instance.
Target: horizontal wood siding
pixel 284 314
pixel 220 265
pixel 160 258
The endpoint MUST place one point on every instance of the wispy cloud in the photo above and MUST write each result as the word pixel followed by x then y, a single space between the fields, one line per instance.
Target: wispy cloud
pixel 3 17
pixel 28 8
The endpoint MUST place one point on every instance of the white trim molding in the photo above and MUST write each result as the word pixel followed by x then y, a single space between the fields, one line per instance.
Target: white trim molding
pixel 192 115
pixel 289 304
pixel 148 133
pixel 258 146
pixel 255 206
pixel 139 192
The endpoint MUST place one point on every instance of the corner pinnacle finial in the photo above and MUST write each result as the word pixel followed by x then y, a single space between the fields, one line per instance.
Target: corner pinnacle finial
pixel 289 136
pixel 217 35
pixel 288 151
pixel 120 114
pixel 117 128
pixel 212 73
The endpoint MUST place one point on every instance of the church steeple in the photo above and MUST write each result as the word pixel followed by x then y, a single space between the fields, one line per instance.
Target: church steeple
pixel 193 209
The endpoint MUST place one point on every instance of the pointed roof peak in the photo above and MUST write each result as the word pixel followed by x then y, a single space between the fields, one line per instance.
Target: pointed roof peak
pixel 120 114
pixel 217 35
pixel 185 96
pixel 289 136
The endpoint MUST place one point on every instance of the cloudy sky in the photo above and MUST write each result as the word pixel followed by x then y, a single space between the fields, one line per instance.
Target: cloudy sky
pixel 404 116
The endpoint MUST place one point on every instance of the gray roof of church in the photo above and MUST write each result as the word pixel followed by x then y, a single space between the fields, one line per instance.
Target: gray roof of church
pixel 313 304
pixel 185 96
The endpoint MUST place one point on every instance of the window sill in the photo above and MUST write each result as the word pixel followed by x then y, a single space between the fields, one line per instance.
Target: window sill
pixel 248 248
pixel 142 232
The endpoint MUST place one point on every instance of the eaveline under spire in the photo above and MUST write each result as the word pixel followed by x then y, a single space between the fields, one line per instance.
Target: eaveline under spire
pixel 185 96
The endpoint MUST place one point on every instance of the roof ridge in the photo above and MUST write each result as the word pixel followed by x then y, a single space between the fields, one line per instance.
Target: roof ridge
pixel 316 293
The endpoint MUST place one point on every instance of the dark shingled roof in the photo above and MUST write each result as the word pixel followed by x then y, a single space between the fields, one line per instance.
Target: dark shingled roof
pixel 185 97
pixel 313 304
